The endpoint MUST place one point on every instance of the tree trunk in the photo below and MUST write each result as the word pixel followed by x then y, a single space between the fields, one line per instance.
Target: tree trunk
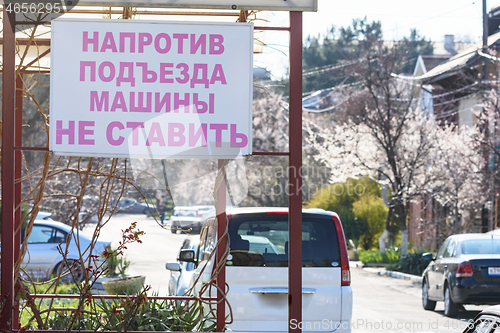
pixel 382 241
pixel 403 212
pixel 389 229
pixel 404 243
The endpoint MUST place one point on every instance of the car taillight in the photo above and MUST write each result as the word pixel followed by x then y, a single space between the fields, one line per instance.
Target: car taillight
pixel 346 276
pixel 344 258
pixel 464 270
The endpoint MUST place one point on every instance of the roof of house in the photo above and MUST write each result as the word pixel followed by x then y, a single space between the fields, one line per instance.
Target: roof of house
pixel 435 60
pixel 467 58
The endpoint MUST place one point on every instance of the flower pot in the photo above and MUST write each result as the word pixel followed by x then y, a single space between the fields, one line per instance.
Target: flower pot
pixel 124 286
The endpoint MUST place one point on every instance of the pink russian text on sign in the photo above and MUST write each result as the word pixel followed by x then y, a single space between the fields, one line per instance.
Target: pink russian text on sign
pixel 151 89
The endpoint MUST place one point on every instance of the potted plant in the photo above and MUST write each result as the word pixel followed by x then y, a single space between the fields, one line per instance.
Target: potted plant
pixel 117 281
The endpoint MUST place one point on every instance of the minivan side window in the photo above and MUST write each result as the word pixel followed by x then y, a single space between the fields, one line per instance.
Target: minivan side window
pixel 203 240
pixel 210 244
pixel 208 239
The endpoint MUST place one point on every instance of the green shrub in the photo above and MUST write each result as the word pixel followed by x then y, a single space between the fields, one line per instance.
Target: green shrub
pixel 372 211
pixel 390 256
pixel 50 288
pixel 131 314
pixel 359 205
pixel 414 263
pixel 154 315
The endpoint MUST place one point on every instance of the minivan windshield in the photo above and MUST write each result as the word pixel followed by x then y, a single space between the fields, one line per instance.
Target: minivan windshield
pixel 263 241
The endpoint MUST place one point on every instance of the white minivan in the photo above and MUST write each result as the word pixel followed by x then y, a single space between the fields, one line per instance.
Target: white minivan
pixel 257 269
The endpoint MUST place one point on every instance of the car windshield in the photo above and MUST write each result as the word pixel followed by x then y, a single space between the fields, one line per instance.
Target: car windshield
pixel 481 246
pixel 186 212
pixel 264 242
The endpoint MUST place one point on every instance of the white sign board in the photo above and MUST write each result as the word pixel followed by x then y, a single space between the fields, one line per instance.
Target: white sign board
pixel 283 5
pixel 151 89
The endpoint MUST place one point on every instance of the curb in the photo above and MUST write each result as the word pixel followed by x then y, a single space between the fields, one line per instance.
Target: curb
pixel 383 272
pixel 404 276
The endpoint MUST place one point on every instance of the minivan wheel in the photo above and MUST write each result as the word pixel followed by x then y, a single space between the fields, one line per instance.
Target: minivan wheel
pixel 426 303
pixel 173 230
pixel 450 308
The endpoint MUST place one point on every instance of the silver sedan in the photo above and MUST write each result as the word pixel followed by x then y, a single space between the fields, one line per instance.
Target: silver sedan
pixel 47 243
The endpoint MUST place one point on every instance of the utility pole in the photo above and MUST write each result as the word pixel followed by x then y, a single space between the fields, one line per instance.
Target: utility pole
pixel 485 76
pixel 485 27
pixel 490 129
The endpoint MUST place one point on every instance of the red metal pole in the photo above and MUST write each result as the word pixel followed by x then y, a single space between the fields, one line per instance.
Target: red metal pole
pixel 221 229
pixel 18 162
pixel 8 167
pixel 295 175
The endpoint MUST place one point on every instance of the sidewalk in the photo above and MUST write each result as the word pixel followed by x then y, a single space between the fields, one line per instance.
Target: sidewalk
pixel 383 272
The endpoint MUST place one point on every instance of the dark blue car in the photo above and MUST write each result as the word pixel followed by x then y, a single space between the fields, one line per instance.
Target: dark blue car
pixel 132 206
pixel 465 270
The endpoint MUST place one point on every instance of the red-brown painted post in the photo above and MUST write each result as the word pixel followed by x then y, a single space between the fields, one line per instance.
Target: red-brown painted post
pixel 8 168
pixel 295 174
pixel 221 229
pixel 17 201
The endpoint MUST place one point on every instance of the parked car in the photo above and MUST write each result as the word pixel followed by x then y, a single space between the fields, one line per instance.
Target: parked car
pixel 179 283
pixel 186 218
pixel 131 206
pixel 203 209
pixel 89 209
pixel 257 273
pixel 46 242
pixel 44 216
pixel 487 321
pixel 465 270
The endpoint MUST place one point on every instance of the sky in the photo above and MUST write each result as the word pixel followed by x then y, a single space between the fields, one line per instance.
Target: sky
pixel 432 18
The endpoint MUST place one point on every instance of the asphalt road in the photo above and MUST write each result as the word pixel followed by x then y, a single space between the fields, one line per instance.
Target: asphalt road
pixel 148 258
pixel 381 304
pixel 385 304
